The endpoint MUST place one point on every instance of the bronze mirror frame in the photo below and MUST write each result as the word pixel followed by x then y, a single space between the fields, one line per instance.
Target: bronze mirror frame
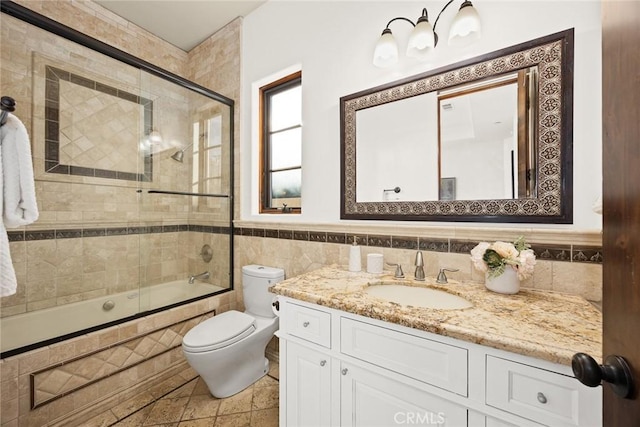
pixel 553 55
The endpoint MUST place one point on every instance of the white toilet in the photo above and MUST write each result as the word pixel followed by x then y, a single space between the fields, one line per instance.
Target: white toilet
pixel 227 350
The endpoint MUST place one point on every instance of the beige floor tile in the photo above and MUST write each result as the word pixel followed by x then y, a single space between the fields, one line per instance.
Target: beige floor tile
pixel 136 419
pixel 201 388
pixel 184 391
pixel 265 397
pixel 176 404
pixel 265 418
pixel 166 411
pixel 242 419
pixel 240 402
pixel 274 370
pixel 265 381
pixel 103 420
pixel 201 406
pixel 202 422
pixel 167 386
pixel 132 405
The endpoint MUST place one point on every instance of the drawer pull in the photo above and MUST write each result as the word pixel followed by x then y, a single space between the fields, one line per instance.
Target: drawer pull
pixel 323 362
pixel 542 398
pixel 305 324
pixel 344 371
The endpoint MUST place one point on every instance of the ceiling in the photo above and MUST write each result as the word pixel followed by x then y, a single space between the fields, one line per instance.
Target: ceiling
pixel 183 23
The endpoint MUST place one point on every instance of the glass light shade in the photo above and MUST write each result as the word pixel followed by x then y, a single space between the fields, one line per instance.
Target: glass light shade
pixel 155 137
pixel 466 27
pixel 421 40
pixel 386 51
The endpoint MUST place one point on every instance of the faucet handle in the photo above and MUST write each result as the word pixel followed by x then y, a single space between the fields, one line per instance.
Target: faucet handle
pixel 399 274
pixel 442 278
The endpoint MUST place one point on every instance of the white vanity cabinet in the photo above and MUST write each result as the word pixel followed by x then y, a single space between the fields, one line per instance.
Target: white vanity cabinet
pixel 308 382
pixel 341 369
pixel 368 399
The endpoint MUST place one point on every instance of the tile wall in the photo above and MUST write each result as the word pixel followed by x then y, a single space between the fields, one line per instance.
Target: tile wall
pixel 80 233
pixel 92 195
pixel 567 261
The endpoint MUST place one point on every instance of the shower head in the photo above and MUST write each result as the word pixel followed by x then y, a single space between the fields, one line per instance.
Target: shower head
pixel 178 156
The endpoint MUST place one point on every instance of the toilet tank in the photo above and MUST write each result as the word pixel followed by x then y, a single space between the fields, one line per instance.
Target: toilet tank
pixel 256 280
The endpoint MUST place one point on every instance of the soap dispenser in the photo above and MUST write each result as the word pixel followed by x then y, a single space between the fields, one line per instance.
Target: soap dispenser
pixel 354 256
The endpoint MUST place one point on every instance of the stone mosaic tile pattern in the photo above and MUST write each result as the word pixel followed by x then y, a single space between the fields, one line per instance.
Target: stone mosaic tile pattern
pixel 76 408
pixel 191 405
pixel 66 378
pixel 81 113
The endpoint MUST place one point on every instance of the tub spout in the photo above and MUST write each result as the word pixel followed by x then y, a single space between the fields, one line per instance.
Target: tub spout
pixel 193 278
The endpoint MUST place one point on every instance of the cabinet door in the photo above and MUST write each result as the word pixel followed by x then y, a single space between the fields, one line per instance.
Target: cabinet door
pixel 308 382
pixel 368 400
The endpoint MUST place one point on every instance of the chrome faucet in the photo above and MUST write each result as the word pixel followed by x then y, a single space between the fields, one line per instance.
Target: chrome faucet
pixel 399 274
pixel 193 278
pixel 442 277
pixel 419 274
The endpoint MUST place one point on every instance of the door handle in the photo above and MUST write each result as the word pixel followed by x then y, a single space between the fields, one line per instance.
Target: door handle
pixel 614 371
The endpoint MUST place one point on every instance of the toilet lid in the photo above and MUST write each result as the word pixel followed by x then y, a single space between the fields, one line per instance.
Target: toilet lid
pixel 219 331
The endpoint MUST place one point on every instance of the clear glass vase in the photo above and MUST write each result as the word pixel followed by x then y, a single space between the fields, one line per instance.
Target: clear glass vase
pixel 506 283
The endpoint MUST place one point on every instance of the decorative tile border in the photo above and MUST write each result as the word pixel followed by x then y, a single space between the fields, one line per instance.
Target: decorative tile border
pixel 76 233
pixel 62 379
pixel 568 253
pixel 52 126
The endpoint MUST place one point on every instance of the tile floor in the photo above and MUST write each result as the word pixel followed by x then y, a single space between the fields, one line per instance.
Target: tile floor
pixel 191 405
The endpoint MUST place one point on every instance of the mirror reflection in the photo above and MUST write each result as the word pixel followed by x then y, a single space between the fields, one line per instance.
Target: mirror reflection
pixel 435 146
pixel 487 132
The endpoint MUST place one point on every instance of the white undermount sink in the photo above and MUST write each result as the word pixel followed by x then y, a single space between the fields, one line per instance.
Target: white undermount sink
pixel 418 297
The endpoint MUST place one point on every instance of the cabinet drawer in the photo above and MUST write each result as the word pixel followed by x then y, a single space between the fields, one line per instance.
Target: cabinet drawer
pixel 308 324
pixel 438 364
pixel 540 395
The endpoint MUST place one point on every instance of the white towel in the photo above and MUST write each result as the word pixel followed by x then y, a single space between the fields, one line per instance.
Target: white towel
pixel 19 193
pixel 18 199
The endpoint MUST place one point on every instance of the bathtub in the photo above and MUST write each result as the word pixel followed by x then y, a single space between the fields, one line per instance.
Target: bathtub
pixel 29 328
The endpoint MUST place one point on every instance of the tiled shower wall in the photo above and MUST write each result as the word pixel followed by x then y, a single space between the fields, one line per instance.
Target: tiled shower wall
pixel 69 205
pixel 87 193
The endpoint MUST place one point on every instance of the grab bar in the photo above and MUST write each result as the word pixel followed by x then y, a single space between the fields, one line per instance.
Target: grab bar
pixel 184 193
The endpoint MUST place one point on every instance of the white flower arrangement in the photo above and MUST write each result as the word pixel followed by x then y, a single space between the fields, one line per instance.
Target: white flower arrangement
pixel 494 258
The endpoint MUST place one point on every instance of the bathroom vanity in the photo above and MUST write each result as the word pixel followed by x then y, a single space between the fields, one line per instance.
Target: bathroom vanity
pixel 348 358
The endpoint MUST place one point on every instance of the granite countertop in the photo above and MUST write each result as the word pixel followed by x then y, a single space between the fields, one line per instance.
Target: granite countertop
pixel 541 324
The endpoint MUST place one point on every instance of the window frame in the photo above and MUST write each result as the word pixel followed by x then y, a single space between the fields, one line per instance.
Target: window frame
pixel 266 92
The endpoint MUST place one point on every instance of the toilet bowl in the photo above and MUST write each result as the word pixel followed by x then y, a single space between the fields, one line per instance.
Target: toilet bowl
pixel 227 350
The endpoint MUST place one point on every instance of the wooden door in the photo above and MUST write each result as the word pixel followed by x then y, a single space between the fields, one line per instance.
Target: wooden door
pixel 621 199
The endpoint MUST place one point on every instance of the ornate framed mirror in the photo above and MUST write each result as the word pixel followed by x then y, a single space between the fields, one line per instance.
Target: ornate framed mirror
pixel 488 139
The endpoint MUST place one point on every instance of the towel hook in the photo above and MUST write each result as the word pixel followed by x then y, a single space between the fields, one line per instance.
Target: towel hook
pixel 7 105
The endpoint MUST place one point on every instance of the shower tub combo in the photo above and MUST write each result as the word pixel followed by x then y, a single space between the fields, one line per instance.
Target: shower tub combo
pixel 34 327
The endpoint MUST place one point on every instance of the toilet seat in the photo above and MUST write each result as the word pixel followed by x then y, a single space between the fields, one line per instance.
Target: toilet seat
pixel 219 331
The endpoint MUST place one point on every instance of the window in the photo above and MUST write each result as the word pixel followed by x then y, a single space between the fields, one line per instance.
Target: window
pixel 207 174
pixel 281 145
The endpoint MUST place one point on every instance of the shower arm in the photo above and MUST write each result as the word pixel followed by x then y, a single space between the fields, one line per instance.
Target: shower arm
pixel 185 148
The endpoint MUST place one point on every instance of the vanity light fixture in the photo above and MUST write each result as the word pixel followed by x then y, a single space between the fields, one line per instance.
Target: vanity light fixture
pixel 464 29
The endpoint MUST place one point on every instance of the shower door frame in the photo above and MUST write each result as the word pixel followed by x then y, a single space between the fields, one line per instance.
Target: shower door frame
pixel 30 17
